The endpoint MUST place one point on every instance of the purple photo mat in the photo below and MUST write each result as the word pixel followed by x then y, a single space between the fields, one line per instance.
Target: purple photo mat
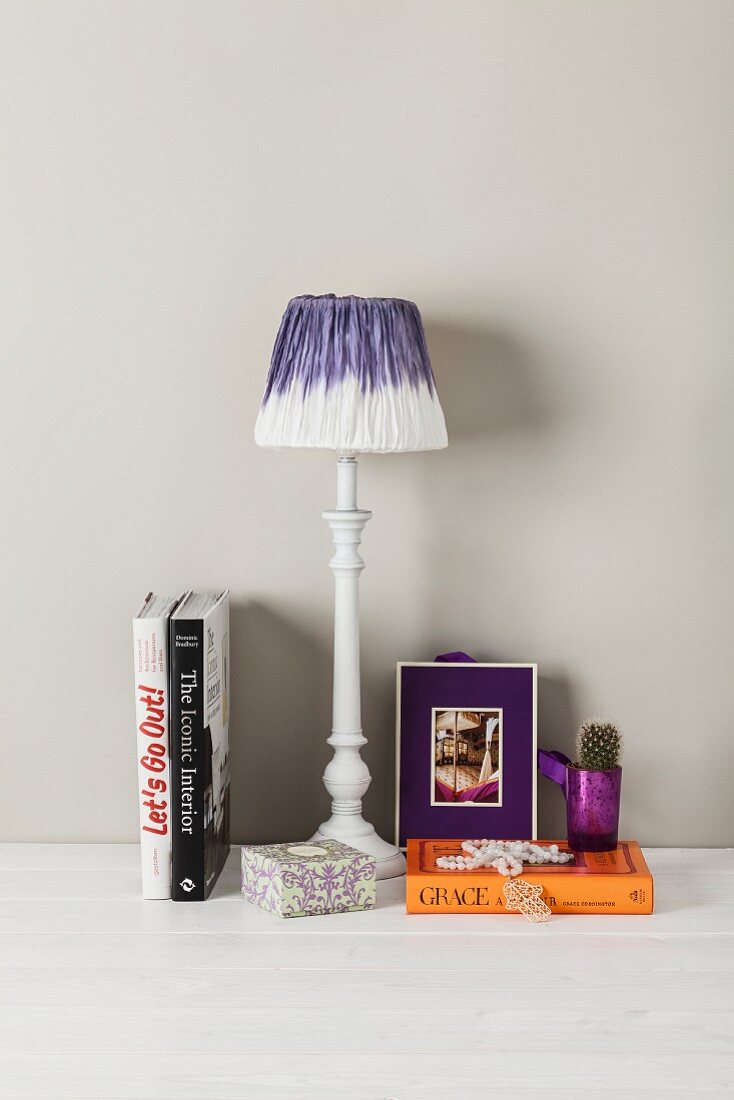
pixel 467 687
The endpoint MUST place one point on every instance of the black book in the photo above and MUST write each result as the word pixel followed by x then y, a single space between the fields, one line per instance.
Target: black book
pixel 199 739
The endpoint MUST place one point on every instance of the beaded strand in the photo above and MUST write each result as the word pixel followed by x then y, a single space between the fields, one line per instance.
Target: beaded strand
pixel 506 856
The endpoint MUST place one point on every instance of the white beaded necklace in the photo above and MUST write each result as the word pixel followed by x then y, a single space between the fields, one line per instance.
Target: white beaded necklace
pixel 506 856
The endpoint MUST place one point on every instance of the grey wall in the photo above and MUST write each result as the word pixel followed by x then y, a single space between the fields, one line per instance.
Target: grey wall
pixel 552 183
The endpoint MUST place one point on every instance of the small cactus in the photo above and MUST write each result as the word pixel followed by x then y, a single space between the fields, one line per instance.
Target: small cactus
pixel 598 746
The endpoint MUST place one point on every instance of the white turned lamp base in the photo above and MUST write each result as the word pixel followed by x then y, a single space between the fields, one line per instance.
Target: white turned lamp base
pixel 347 777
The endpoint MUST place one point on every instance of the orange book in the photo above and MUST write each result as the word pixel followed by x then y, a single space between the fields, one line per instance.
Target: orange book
pixel 596 882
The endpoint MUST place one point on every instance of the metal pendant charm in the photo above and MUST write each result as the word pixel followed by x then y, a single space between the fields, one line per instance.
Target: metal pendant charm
pixel 524 897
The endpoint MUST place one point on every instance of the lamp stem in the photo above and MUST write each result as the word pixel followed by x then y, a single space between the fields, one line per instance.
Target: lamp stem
pixel 347 777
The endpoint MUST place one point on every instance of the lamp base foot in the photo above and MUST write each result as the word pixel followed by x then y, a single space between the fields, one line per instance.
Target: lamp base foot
pixel 389 859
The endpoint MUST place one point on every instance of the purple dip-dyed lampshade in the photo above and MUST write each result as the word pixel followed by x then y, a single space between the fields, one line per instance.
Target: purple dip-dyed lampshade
pixel 351 374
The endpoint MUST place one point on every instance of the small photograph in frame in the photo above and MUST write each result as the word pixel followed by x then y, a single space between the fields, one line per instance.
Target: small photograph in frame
pixel 466 750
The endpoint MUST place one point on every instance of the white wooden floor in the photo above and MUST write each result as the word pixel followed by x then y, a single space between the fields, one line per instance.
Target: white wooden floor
pixel 106 996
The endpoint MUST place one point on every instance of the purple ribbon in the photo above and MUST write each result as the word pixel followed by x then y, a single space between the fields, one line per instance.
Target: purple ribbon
pixel 457 658
pixel 553 765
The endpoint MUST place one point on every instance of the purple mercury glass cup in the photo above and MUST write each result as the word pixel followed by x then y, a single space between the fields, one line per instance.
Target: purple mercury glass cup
pixel 592 809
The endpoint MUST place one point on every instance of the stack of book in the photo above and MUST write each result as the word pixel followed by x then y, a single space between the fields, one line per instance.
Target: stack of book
pixel 181 662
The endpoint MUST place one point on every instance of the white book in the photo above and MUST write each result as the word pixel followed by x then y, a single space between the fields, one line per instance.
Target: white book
pixel 150 663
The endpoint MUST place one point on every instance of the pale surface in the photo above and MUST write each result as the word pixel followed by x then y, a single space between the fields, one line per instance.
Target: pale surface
pixel 106 997
pixel 552 184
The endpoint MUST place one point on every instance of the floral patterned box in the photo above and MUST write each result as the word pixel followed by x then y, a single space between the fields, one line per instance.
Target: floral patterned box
pixel 307 880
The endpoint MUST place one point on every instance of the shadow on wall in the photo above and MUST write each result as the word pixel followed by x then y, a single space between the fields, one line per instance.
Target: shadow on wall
pixel 501 419
pixel 378 722
pixel 487 381
pixel 556 731
pixel 280 719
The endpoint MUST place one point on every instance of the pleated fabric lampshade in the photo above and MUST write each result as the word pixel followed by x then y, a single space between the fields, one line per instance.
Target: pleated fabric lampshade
pixel 351 374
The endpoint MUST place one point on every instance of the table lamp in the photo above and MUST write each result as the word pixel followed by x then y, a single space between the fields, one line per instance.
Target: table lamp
pixel 350 375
